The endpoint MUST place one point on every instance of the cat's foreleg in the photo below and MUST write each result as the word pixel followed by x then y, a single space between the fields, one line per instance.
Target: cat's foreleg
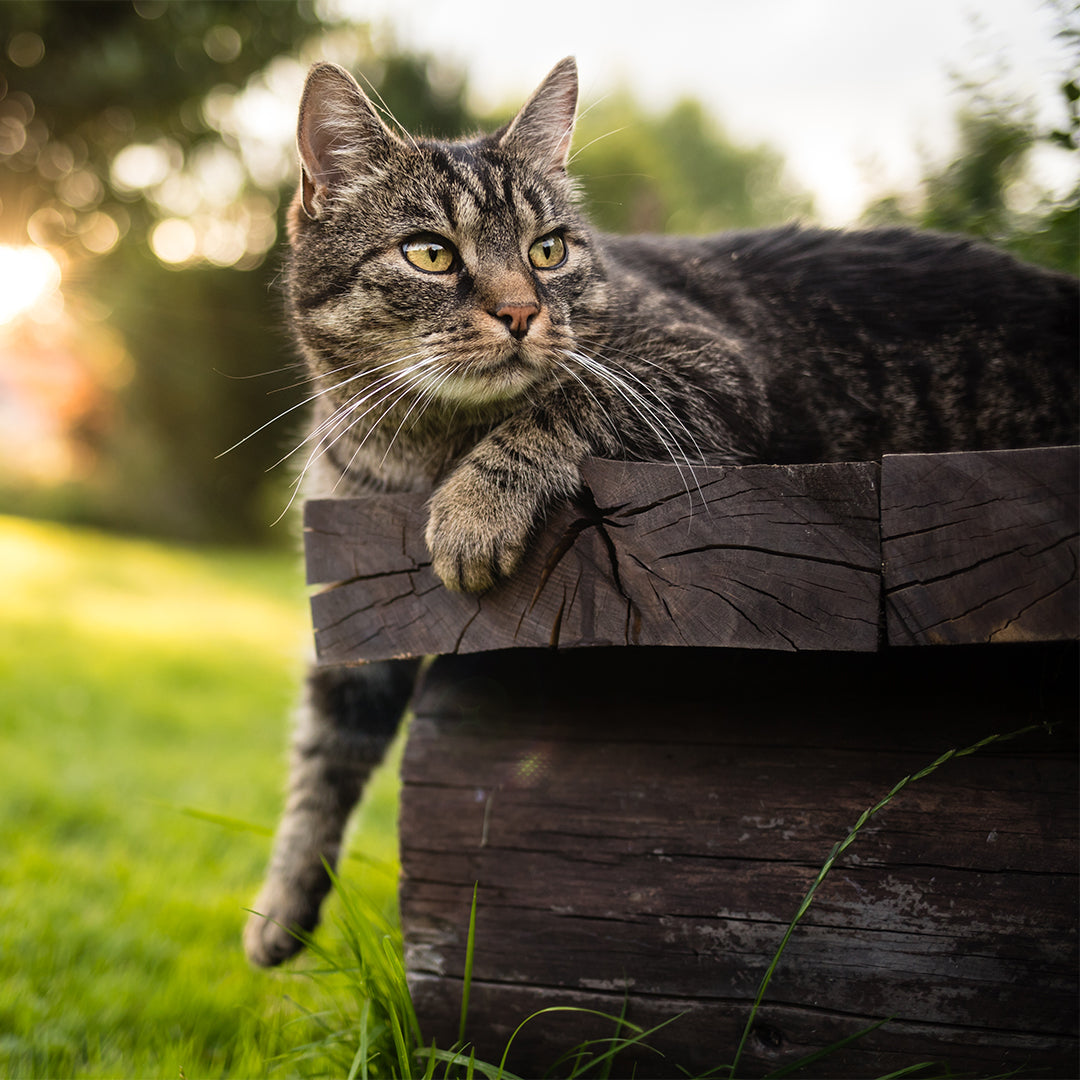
pixel 348 717
pixel 482 517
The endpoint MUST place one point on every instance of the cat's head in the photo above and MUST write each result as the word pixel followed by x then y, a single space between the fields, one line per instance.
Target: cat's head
pixel 461 266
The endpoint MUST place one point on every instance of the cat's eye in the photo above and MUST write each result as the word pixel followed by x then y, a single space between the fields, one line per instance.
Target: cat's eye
pixel 548 252
pixel 430 254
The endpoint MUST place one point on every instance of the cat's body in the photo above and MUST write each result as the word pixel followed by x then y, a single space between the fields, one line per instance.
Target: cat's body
pixel 473 337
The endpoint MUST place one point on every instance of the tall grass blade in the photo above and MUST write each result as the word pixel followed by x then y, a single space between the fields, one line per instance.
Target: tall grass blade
pixel 839 848
pixel 825 1051
pixel 360 1060
pixel 466 982
pixel 459 1057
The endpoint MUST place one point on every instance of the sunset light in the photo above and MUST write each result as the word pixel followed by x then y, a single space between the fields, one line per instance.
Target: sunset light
pixel 28 275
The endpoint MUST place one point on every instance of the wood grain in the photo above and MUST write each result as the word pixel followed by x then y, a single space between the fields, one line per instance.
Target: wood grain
pixel 771 557
pixel 643 824
pixel 981 547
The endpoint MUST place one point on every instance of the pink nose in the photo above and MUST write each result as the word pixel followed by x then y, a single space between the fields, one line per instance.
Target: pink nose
pixel 517 317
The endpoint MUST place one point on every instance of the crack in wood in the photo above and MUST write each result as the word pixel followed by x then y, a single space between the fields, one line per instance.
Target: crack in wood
pixel 969 567
pixel 797 556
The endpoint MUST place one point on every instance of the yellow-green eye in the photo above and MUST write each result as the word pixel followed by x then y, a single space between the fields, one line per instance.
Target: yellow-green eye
pixel 548 252
pixel 429 254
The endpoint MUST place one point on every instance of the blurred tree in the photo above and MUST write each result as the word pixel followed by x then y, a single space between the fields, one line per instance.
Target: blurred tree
pixel 137 142
pixel 676 172
pixel 81 82
pixel 987 190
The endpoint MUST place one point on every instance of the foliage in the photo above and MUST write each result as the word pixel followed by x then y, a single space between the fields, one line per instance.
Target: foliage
pixel 88 86
pixel 87 79
pixel 139 681
pixel 986 190
pixel 676 172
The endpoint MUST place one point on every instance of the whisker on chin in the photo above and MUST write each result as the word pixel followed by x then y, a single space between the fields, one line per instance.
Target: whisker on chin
pixel 648 413
pixel 426 396
pixel 339 413
pixel 350 413
pixel 292 408
pixel 603 411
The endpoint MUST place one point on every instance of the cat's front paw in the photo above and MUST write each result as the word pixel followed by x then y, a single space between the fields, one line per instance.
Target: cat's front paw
pixel 475 537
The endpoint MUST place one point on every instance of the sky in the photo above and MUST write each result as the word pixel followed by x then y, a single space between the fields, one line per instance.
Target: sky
pixel 851 92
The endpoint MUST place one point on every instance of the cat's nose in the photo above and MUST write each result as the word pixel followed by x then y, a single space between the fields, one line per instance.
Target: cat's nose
pixel 517 317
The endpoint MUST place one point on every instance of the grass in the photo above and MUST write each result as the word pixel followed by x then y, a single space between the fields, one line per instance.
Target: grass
pixel 144 693
pixel 373 1031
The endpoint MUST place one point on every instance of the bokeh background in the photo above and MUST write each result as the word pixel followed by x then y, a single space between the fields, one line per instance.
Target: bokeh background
pixel 146 155
pixel 152 614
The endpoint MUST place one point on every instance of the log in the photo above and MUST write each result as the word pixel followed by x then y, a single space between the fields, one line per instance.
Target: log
pixel 759 556
pixel 644 821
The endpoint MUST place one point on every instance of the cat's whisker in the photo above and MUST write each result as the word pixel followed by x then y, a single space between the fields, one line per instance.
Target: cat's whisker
pixel 362 374
pixel 341 413
pixel 349 413
pixel 292 408
pixel 380 104
pixel 417 382
pixel 601 408
pixel 321 449
pixel 424 398
pixel 297 366
pixel 634 397
pixel 592 142
pixel 664 405
pixel 649 415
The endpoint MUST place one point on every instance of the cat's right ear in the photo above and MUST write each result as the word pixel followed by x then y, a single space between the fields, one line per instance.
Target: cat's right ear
pixel 542 130
pixel 337 131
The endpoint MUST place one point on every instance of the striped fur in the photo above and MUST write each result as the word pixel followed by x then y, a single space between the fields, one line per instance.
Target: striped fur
pixel 487 383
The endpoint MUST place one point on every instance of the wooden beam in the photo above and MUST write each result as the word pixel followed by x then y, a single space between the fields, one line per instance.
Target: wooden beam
pixel 769 557
pixel 976 548
pixel 644 823
pixel 981 547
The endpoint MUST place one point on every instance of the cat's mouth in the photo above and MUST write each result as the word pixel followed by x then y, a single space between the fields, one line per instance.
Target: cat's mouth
pixel 492 378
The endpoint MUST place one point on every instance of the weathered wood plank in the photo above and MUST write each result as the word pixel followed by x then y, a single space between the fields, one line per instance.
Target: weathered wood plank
pixel 782 1034
pixel 981 547
pixel 645 822
pixel 772 557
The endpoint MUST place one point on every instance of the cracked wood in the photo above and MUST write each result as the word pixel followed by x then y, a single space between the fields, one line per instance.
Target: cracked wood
pixel 981 547
pixel 976 548
pixel 773 557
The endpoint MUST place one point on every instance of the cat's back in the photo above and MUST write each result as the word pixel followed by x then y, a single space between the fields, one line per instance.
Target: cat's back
pixel 897 278
pixel 881 340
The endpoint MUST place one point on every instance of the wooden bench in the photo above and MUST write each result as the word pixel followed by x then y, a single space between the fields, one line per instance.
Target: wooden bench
pixel 643 820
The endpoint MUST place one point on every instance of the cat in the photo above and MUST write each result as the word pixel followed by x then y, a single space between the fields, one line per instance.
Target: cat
pixel 472 337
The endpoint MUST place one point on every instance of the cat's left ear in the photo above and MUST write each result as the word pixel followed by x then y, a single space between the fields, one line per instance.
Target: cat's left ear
pixel 545 125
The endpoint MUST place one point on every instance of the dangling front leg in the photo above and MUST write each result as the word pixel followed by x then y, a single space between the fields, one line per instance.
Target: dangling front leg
pixel 349 716
pixel 482 517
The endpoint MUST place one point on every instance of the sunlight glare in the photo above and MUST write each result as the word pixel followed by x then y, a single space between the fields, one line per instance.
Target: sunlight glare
pixel 27 275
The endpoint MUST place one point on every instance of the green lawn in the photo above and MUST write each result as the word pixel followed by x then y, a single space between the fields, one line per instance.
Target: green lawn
pixel 144 698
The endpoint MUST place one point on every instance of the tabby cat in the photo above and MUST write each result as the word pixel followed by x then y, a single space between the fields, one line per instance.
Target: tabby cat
pixel 471 336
